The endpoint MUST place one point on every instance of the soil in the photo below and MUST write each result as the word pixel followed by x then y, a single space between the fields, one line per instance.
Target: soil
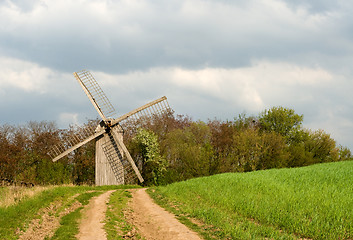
pixel 149 220
pixel 42 227
pixel 91 226
pixel 45 226
pixel 153 222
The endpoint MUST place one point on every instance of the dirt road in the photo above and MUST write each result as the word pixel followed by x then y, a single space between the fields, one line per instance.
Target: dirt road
pixel 155 223
pixel 91 227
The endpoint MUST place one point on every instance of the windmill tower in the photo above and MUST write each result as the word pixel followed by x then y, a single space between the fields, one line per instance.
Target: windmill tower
pixel 114 164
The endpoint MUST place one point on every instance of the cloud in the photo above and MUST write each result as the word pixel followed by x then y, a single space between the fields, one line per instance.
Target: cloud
pixel 211 58
pixel 318 94
pixel 263 84
pixel 122 36
pixel 40 93
pixel 66 119
pixel 31 77
pixel 24 75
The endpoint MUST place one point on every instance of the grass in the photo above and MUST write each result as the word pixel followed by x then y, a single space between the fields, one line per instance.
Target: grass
pixel 116 225
pixel 17 215
pixel 313 202
pixel 14 194
pixel 69 224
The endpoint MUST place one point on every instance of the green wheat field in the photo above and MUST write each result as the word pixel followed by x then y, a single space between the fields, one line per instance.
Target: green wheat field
pixel 314 202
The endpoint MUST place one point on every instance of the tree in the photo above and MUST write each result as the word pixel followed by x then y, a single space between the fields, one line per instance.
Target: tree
pixel 255 150
pixel 189 152
pixel 283 121
pixel 322 147
pixel 146 147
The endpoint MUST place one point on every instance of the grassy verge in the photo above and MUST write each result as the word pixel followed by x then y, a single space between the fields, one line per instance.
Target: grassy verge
pixel 69 224
pixel 312 202
pixel 116 225
pixel 18 215
pixel 14 194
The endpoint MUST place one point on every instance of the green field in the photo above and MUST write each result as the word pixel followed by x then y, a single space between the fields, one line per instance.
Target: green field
pixel 314 202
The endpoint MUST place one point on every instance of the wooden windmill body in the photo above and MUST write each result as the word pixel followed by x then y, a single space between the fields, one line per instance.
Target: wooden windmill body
pixel 114 165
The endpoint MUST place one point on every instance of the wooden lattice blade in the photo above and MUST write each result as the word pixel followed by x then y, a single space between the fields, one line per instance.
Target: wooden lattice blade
pixel 71 144
pixel 95 94
pixel 118 156
pixel 114 158
pixel 158 106
pixel 129 158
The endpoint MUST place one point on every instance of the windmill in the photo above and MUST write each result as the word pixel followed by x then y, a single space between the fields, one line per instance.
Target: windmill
pixel 114 164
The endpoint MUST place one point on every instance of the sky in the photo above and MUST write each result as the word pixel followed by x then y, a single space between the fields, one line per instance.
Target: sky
pixel 213 59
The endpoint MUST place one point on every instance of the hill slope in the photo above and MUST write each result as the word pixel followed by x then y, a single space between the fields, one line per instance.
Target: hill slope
pixel 311 202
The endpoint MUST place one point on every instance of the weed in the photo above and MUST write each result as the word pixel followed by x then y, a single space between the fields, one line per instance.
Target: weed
pixel 116 225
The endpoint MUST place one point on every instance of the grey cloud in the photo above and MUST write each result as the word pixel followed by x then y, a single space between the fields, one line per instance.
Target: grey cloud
pixel 317 6
pixel 191 34
pixel 116 39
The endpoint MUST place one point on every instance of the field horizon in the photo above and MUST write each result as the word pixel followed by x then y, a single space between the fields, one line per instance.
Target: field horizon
pixel 312 202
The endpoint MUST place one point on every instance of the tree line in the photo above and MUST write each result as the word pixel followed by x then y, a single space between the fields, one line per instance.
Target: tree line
pixel 171 148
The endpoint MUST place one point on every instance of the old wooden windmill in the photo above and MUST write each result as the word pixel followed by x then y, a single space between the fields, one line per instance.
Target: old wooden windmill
pixel 114 165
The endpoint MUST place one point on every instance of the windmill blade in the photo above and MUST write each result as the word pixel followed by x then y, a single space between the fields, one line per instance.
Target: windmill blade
pixel 73 142
pixel 114 157
pixel 118 156
pixel 95 94
pixel 129 158
pixel 158 106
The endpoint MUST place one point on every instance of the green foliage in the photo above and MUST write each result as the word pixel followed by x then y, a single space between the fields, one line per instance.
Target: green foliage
pixel 172 148
pixel 302 203
pixel 344 153
pixel 83 168
pixel 255 150
pixel 189 152
pixel 48 172
pixel 146 147
pixel 322 147
pixel 283 121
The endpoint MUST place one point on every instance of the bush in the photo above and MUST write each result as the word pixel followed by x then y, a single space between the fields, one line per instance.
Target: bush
pixel 146 149
pixel 189 152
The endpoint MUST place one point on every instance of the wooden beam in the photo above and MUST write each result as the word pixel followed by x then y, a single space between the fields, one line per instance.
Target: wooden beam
pixel 89 95
pixel 128 156
pixel 63 154
pixel 127 115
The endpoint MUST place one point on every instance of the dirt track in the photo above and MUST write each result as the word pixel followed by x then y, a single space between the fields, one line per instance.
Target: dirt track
pixel 151 221
pixel 155 223
pixel 91 227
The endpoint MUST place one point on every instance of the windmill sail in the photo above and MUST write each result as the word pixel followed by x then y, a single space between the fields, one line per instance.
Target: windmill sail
pixel 95 94
pixel 158 106
pixel 74 141
pixel 114 157
pixel 119 158
pixel 114 165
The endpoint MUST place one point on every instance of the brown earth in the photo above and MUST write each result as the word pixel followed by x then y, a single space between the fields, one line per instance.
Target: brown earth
pixel 153 222
pixel 150 221
pixel 45 226
pixel 91 226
